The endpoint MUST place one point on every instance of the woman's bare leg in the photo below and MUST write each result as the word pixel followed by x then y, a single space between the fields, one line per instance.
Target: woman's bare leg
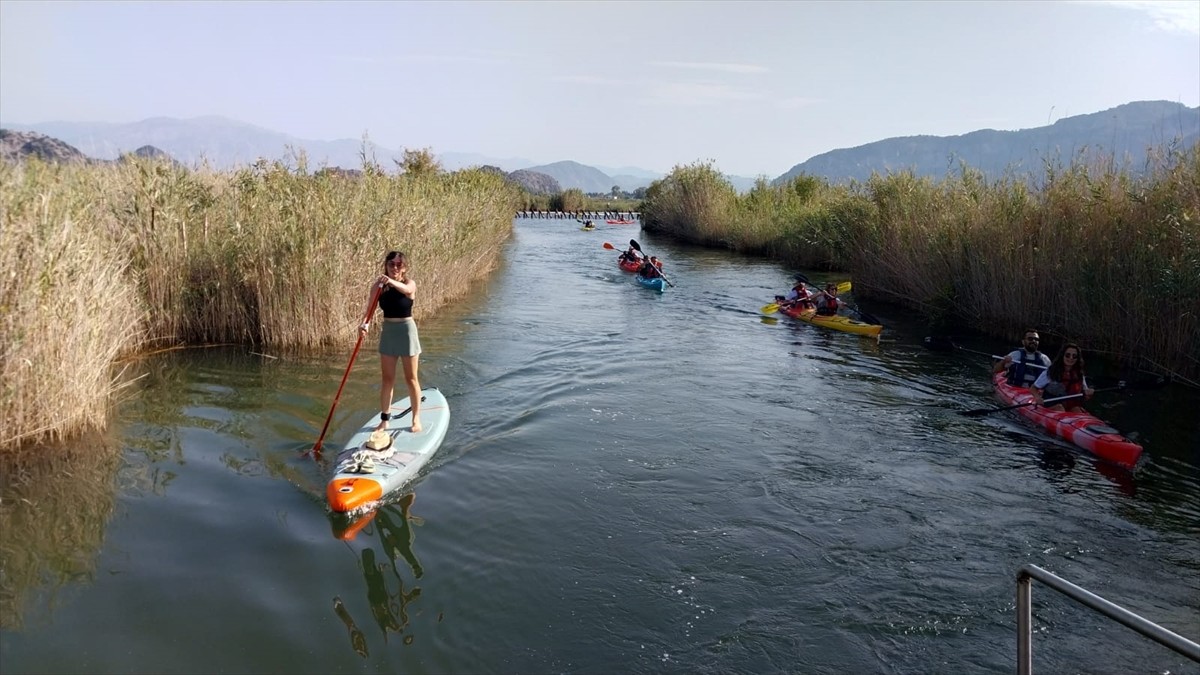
pixel 414 389
pixel 387 367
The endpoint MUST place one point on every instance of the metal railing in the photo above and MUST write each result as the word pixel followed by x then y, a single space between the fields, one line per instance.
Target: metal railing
pixel 1028 573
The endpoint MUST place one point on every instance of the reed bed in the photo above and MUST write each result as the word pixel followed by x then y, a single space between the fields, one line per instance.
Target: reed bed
pixel 1094 252
pixel 108 261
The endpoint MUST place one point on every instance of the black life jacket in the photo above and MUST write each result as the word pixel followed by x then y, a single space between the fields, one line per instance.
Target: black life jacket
pixel 1021 376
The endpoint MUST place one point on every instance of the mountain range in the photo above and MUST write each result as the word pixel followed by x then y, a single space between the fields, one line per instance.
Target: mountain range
pixel 1124 132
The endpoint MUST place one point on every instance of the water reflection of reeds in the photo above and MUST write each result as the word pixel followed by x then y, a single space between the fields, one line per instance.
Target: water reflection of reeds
pixel 55 504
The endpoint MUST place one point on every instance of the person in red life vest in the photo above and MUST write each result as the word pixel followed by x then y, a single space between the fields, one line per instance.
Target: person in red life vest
pixel 1064 377
pixel 828 303
pixel 631 254
pixel 1026 364
pixel 650 267
pixel 799 295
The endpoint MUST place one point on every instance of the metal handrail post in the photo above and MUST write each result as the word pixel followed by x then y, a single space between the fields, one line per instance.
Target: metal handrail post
pixel 1149 629
pixel 1024 625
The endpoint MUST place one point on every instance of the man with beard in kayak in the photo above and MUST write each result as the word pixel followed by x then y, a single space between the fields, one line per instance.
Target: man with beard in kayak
pixel 1025 364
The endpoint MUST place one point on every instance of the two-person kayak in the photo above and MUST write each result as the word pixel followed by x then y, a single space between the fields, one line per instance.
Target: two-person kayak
pixel 1079 427
pixel 836 321
pixel 654 283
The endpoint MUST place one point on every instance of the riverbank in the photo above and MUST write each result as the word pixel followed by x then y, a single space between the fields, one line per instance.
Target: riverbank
pixel 1092 253
pixel 106 262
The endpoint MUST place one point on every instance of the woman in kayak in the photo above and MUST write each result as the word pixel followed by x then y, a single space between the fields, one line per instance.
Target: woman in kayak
pixel 1064 377
pixel 398 341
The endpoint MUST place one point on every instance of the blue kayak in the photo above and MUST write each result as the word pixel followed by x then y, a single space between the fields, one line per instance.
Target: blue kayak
pixel 656 283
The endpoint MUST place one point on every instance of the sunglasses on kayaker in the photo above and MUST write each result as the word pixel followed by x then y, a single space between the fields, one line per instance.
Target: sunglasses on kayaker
pixel 1070 355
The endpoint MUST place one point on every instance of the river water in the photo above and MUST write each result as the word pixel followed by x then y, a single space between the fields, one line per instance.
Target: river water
pixel 632 482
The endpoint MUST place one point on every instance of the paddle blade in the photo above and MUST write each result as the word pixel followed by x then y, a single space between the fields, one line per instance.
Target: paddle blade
pixel 938 343
pixel 845 287
pixel 635 246
pixel 980 412
pixel 770 309
pixel 868 318
pixel 609 246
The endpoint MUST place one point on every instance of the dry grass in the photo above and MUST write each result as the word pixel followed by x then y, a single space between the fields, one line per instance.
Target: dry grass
pixel 105 261
pixel 1094 254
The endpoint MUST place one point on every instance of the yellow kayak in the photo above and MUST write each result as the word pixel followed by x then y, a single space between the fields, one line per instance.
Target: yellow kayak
pixel 842 323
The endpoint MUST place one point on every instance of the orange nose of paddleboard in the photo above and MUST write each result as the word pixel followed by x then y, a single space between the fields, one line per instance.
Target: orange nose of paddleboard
pixel 347 494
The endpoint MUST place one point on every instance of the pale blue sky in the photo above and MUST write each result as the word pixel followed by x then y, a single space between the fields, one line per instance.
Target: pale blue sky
pixel 756 87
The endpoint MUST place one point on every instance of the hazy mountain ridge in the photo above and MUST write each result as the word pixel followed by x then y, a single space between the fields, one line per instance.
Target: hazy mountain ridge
pixel 225 144
pixel 17 145
pixel 1123 132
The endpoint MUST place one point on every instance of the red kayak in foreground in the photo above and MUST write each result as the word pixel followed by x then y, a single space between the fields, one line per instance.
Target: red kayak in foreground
pixel 1080 427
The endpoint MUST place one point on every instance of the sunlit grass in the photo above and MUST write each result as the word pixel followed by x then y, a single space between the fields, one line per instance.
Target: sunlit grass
pixel 105 261
pixel 1094 253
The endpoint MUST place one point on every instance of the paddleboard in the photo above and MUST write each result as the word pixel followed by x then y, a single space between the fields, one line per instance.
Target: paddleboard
pixel 363 477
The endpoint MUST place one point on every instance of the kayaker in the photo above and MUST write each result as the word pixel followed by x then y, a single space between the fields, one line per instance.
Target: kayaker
pixel 1024 364
pixel 399 340
pixel 1064 377
pixel 631 253
pixel 829 303
pixel 649 268
pixel 799 295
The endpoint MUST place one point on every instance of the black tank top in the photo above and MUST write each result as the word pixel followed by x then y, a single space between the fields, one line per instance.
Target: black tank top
pixel 395 305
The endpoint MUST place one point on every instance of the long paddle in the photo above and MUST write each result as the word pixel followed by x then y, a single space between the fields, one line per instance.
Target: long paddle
pixel 1156 383
pixel 358 343
pixel 866 318
pixel 979 412
pixel 942 344
pixel 637 248
pixel 843 287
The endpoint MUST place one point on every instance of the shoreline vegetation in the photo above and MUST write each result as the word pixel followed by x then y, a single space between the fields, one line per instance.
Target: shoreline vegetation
pixel 104 263
pixel 1090 252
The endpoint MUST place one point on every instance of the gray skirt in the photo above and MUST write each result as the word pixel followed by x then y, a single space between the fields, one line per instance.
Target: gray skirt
pixel 399 338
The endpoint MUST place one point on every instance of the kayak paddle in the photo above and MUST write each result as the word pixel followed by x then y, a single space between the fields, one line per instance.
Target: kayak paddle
pixel 637 248
pixel 844 287
pixel 1157 383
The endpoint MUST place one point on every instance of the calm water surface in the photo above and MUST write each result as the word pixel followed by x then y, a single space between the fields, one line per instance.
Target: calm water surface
pixel 632 482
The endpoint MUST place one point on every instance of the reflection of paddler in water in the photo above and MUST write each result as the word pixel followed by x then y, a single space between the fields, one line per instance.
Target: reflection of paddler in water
pixel 388 609
pixel 397 539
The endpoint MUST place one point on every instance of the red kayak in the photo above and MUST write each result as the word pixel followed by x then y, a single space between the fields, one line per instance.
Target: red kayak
pixel 1080 427
pixel 620 222
pixel 629 265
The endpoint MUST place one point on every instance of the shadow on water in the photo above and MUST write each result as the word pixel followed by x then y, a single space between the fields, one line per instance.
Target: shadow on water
pixel 386 592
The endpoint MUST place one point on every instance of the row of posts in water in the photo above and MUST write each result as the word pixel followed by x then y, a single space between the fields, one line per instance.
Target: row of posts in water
pixel 581 215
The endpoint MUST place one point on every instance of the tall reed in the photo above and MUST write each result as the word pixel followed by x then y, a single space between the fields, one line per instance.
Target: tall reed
pixel 108 260
pixel 1092 252
pixel 68 302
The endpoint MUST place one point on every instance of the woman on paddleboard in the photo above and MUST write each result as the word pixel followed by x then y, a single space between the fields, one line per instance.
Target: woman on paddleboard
pixel 398 341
